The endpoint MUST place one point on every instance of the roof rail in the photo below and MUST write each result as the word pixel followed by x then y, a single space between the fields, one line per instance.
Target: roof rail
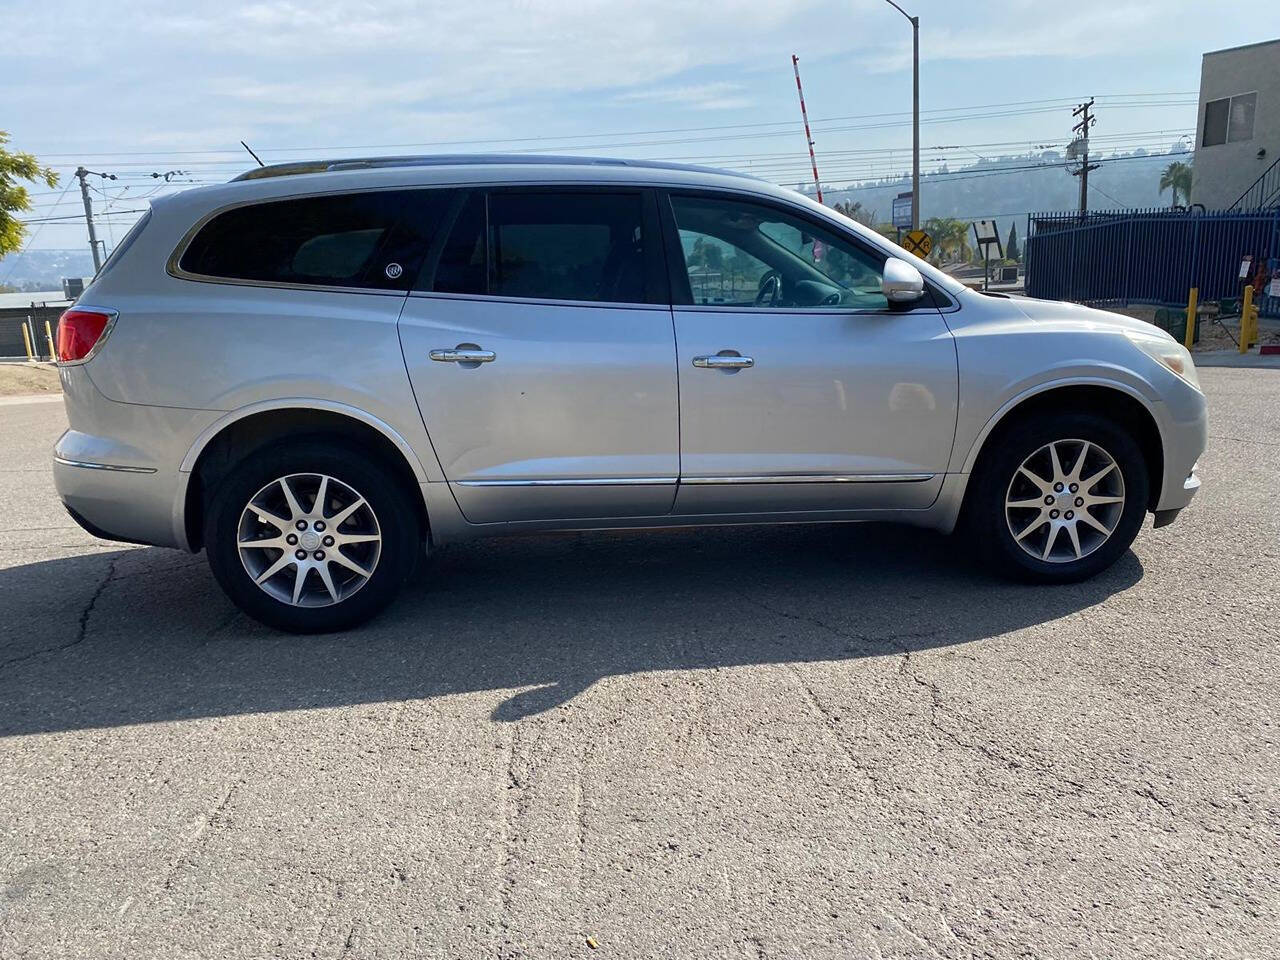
pixel 463 159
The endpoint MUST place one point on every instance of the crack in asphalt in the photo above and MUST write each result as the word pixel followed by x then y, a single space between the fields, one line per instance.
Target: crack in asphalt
pixel 1149 793
pixel 936 704
pixel 1261 443
pixel 82 627
pixel 831 720
pixel 1012 763
pixel 513 836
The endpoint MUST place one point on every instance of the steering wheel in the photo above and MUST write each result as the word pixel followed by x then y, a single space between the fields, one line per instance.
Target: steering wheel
pixel 770 291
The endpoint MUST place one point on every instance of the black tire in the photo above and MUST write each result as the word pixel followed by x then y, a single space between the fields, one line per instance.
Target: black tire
pixel 396 518
pixel 989 527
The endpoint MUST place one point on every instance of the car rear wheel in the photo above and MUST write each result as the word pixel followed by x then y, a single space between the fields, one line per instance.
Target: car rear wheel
pixel 1059 498
pixel 311 536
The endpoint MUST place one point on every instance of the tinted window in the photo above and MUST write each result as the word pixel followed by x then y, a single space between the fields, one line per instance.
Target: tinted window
pixel 463 263
pixel 566 246
pixel 1216 113
pixel 549 246
pixel 738 253
pixel 374 240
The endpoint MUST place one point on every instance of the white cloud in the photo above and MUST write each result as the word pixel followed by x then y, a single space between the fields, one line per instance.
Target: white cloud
pixel 281 72
pixel 705 96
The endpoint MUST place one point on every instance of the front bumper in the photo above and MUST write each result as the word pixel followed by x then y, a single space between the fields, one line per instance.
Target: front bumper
pixel 1184 429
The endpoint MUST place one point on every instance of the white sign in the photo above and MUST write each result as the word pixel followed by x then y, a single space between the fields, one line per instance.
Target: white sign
pixel 1246 266
pixel 1275 287
pixel 988 236
pixel 985 231
pixel 902 212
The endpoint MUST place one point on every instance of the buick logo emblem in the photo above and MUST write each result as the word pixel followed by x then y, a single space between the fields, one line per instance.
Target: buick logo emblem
pixel 394 270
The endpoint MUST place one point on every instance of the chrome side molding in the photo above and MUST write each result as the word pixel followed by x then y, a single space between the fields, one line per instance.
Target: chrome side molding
pixel 632 481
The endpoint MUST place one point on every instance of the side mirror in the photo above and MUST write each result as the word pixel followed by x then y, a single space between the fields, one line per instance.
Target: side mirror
pixel 901 282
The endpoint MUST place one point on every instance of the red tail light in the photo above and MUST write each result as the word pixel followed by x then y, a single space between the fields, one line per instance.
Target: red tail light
pixel 80 331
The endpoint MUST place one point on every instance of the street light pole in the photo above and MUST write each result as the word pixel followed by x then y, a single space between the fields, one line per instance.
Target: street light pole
pixel 915 114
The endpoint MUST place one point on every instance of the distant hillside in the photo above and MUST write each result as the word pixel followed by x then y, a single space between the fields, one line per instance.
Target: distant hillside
pixel 44 269
pixel 998 188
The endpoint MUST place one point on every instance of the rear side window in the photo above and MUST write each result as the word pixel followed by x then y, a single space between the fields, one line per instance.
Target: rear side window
pixel 548 245
pixel 373 240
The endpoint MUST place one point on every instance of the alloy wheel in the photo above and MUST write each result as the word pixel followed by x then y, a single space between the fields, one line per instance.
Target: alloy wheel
pixel 309 540
pixel 1065 501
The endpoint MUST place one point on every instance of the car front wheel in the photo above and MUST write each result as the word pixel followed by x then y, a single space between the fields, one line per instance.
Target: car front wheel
pixel 1059 498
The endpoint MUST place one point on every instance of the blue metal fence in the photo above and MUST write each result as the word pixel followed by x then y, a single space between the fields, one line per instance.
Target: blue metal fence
pixel 1149 256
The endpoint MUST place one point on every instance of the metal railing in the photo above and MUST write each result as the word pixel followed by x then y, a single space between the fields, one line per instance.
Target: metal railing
pixel 1264 192
pixel 1149 256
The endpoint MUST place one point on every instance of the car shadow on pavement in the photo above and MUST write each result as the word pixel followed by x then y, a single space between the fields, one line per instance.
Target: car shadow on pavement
pixel 144 635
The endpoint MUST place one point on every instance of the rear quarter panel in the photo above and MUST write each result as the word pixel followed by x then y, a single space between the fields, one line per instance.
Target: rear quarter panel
pixel 230 347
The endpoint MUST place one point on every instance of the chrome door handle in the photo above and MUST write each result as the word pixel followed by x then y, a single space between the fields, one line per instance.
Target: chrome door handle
pixel 463 355
pixel 724 362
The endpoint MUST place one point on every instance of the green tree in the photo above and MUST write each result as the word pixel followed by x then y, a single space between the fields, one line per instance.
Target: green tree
pixel 950 238
pixel 1011 250
pixel 854 210
pixel 13 196
pixel 1176 178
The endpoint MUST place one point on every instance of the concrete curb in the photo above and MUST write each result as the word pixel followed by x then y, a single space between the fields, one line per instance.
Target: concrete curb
pixel 30 398
pixel 1230 358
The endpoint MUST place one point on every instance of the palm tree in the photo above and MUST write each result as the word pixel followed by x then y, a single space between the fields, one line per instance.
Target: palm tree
pixel 950 236
pixel 854 210
pixel 1177 179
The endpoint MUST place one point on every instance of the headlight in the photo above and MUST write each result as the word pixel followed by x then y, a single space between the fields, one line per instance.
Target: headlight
pixel 1169 352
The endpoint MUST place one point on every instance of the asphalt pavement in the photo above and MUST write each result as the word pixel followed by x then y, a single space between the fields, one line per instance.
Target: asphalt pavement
pixel 818 742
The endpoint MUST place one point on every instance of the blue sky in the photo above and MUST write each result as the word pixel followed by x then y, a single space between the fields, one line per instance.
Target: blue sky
pixel 149 87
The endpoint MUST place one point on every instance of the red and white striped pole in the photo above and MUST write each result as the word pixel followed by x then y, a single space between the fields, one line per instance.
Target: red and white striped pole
pixel 795 65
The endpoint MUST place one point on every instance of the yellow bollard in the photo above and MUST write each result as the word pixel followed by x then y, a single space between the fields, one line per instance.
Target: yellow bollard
pixel 53 350
pixel 1191 316
pixel 1247 320
pixel 26 340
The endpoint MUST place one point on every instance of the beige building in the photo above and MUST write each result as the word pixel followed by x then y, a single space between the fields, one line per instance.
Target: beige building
pixel 1238 128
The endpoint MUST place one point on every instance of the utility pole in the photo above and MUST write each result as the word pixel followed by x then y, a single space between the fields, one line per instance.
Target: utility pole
pixel 1087 120
pixel 915 114
pixel 915 123
pixel 82 173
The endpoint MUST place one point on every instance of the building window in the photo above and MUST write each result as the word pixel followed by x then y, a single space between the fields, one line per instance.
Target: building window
pixel 1229 120
pixel 1241 125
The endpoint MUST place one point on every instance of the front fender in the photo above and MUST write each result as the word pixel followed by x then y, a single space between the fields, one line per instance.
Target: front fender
pixel 966 451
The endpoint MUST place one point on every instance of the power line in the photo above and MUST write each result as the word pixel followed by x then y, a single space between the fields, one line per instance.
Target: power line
pixel 31 236
pixel 1042 105
pixel 628 144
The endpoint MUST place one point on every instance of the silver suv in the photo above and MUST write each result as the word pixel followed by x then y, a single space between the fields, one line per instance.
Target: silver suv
pixel 316 371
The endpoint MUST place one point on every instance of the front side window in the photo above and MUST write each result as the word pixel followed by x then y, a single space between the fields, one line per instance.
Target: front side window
pixel 372 240
pixel 738 253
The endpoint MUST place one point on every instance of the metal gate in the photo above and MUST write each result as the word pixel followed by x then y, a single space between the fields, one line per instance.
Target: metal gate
pixel 1149 256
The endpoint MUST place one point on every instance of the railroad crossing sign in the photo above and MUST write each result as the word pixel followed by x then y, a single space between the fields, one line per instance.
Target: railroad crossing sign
pixel 918 242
